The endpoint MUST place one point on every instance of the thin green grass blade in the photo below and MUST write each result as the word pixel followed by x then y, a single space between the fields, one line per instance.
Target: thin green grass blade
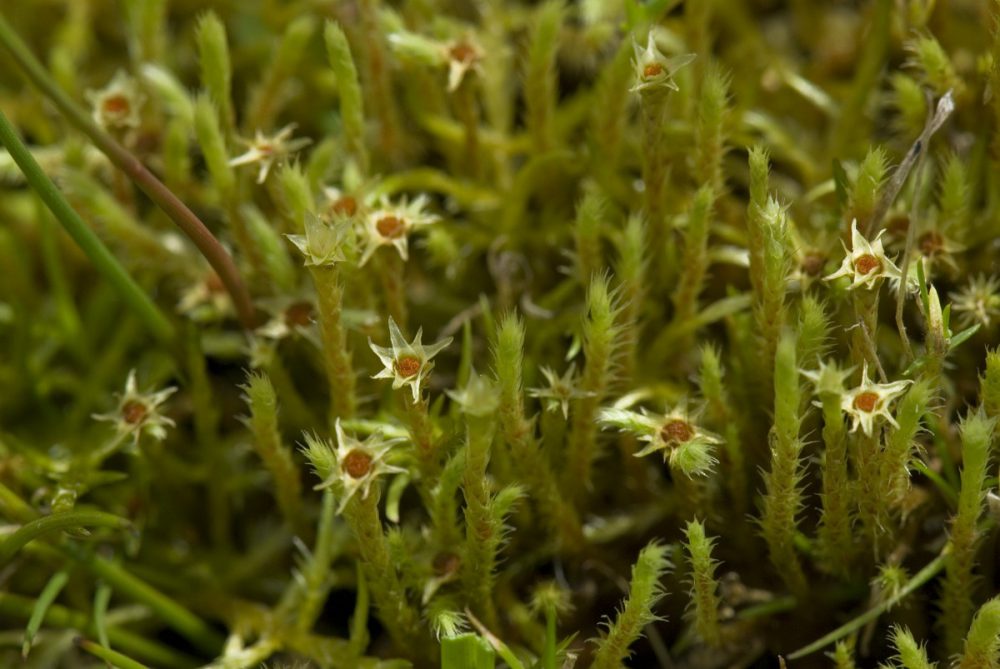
pixel 101 599
pixel 134 296
pixel 922 577
pixel 42 604
pixel 55 523
pixel 164 198
pixel 112 657
pixel 159 655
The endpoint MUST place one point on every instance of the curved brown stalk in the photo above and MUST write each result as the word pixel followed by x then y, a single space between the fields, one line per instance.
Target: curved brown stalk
pixel 123 159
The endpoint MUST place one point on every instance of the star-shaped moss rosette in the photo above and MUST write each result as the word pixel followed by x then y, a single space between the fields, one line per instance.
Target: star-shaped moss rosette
pixel 461 56
pixel 866 263
pixel 478 397
pixel 829 378
pixel 654 72
pixel 870 400
pixel 388 224
pixel 685 446
pixel 206 300
pixel 407 363
pixel 117 104
pixel 352 194
pixel 138 413
pixel 289 316
pixel 939 248
pixel 338 202
pixel 353 466
pixel 978 301
pixel 326 241
pixel 269 150
pixel 560 391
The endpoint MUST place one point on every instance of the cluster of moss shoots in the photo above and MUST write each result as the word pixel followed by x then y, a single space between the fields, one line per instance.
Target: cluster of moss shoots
pixel 710 290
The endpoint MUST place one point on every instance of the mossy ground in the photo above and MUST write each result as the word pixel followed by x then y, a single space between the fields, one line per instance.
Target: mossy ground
pixel 358 373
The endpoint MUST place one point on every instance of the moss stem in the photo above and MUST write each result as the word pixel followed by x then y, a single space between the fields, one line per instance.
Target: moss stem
pixel 336 356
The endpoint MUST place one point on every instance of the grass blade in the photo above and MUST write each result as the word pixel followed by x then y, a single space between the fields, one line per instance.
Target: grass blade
pixel 113 658
pixel 42 604
pixel 55 523
pixel 89 243
pixel 178 212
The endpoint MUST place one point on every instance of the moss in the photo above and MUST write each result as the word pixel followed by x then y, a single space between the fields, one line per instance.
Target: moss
pixel 754 241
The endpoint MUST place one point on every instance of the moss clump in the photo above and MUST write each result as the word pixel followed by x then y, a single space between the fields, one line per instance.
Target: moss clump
pixel 434 333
